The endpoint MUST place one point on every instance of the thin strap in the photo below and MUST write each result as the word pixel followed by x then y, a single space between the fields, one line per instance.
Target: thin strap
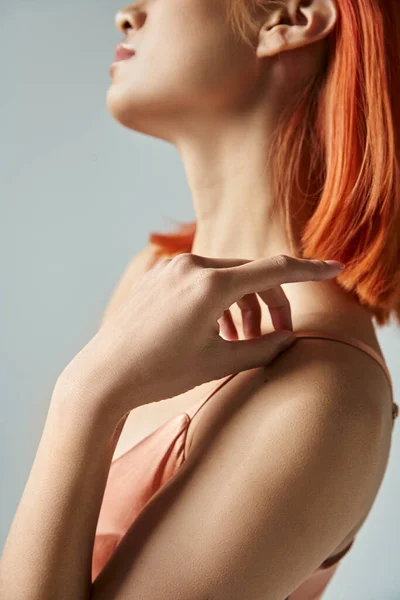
pixel 351 341
pixel 195 409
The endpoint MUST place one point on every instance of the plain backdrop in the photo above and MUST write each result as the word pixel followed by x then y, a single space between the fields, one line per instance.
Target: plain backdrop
pixel 79 195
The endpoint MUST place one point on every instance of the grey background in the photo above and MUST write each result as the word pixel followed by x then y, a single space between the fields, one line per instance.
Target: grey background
pixel 79 195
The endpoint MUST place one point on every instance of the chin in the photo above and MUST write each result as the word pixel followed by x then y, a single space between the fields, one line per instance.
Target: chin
pixel 153 114
pixel 122 108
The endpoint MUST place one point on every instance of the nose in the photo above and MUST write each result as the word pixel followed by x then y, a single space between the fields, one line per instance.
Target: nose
pixel 131 17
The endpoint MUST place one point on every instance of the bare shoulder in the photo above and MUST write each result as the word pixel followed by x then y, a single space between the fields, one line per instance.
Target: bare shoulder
pixel 137 266
pixel 286 461
pixel 327 382
pixel 351 379
pixel 320 375
pixel 314 390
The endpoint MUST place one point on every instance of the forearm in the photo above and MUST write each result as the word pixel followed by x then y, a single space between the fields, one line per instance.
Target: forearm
pixel 48 551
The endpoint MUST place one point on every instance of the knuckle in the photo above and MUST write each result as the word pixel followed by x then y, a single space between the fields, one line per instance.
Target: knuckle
pixel 162 263
pixel 283 261
pixel 181 261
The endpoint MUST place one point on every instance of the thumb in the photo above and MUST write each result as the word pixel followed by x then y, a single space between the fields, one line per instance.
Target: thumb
pixel 258 352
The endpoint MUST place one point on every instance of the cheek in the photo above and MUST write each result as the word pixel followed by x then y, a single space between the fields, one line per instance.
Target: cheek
pixel 145 96
pixel 182 75
pixel 191 62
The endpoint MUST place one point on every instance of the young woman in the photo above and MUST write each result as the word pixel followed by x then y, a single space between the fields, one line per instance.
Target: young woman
pixel 187 454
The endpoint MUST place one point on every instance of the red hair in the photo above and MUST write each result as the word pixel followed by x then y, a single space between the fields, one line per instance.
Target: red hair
pixel 343 133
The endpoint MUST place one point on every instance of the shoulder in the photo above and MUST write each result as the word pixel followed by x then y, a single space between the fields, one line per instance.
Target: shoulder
pixel 344 378
pixel 144 260
pixel 281 470
pixel 316 423
pixel 325 378
pixel 326 397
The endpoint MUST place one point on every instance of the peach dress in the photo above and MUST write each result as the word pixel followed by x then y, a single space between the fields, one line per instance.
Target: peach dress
pixel 136 475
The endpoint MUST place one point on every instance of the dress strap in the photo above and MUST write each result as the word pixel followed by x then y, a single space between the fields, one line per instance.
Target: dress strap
pixel 193 410
pixel 355 342
pixel 350 340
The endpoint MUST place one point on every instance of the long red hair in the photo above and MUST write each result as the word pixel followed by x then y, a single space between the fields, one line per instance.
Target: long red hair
pixel 344 133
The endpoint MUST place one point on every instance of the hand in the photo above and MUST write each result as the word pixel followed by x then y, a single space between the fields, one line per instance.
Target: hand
pixel 164 340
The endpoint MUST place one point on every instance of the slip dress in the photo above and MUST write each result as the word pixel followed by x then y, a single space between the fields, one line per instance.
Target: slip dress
pixel 137 474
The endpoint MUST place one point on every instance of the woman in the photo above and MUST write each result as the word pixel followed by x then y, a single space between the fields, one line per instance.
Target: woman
pixel 286 119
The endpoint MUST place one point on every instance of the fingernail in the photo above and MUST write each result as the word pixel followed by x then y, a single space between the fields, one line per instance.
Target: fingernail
pixel 334 263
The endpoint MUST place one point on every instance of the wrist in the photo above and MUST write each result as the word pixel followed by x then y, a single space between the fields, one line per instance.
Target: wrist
pixel 93 389
pixel 89 398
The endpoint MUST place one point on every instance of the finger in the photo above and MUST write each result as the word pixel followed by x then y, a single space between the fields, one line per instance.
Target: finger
pixel 226 263
pixel 275 299
pixel 227 326
pixel 265 274
pixel 279 307
pixel 251 315
pixel 243 355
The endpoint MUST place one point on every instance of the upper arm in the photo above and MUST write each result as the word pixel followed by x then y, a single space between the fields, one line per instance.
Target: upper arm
pixel 140 263
pixel 267 494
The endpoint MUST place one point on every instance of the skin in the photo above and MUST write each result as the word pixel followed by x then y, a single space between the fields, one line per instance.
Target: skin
pixel 56 518
pixel 178 302
pixel 217 100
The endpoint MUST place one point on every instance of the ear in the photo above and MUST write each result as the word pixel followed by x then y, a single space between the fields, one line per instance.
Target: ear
pixel 295 23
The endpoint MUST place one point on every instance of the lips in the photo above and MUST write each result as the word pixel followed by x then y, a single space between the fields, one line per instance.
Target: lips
pixel 121 53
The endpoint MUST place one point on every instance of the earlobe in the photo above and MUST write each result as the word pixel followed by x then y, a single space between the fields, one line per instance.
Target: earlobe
pixel 296 25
